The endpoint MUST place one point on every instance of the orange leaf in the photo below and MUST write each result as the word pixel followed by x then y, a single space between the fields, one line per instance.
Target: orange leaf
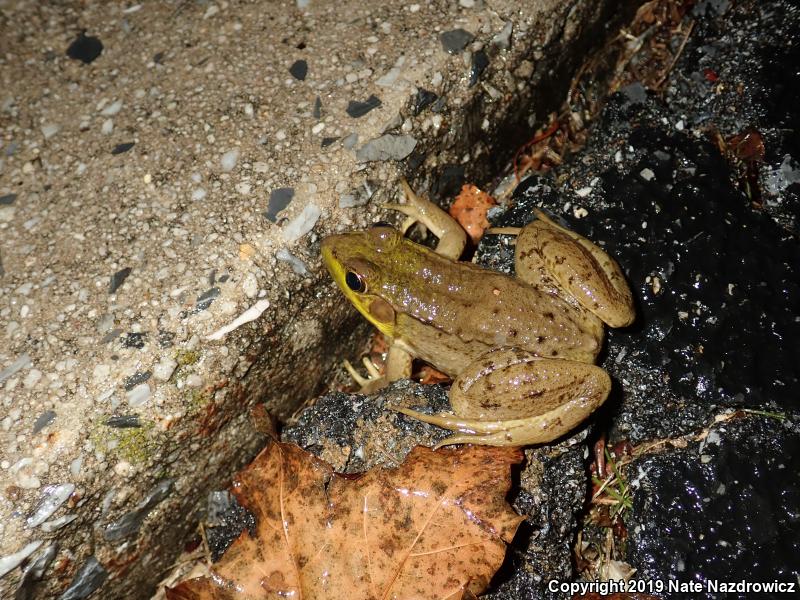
pixel 434 527
pixel 470 208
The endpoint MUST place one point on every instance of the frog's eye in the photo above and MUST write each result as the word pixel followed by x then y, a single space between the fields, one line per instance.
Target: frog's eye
pixel 380 224
pixel 355 282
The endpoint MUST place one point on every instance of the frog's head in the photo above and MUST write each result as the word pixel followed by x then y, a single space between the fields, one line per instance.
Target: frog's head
pixel 360 263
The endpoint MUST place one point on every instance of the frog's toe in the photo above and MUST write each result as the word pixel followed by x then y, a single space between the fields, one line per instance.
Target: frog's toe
pixel 373 381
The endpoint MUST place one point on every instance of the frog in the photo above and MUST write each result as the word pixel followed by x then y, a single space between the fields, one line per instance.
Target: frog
pixel 521 349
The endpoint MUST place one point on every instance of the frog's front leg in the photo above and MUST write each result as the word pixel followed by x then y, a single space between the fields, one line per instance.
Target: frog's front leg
pixel 509 397
pixel 452 238
pixel 397 366
pixel 550 257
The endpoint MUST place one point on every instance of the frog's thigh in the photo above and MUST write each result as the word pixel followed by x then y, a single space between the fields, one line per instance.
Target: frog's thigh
pixel 452 237
pixel 511 397
pixel 547 253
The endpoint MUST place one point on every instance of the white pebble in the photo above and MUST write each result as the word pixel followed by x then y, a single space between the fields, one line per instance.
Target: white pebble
pixel 138 395
pixel 164 369
pixel 107 126
pixel 228 160
pixel 317 128
pixel 194 381
pixel 112 109
pixel 198 194
pixel 12 561
pixel 54 497
pixel 250 285
pixel 101 373
pixel 32 378
pixel 243 187
pixel 302 223
pixel 647 174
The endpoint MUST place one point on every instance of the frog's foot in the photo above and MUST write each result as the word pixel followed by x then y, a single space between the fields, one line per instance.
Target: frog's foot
pixel 549 254
pixel 508 397
pixel 452 238
pixel 372 382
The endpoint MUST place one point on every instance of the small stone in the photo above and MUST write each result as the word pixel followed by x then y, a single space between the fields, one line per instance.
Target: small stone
pixel 229 159
pixel 121 148
pixel 112 109
pixel 23 361
pixel 118 278
pixel 278 200
pixel 524 70
pixel 135 379
pixel 194 381
pixel 85 48
pixel 124 422
pixel 12 561
pixel 54 497
pixel 503 39
pixel 423 99
pixel 44 420
pixel 89 577
pixel 299 69
pixel 139 395
pixel 455 40
pixel 386 147
pixel 466 3
pixel 327 141
pixel 50 130
pixel 164 369
pixel 101 373
pixel 7 199
pixel 358 109
pixel 205 299
pixel 298 266
pixel 107 127
pixel 32 378
pixel 317 111
pixel 302 223
pixel 198 194
pixel 480 60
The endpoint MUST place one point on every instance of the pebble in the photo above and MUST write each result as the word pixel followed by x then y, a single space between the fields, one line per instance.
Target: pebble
pixel 23 361
pixel 194 381
pixel 89 577
pixel 112 109
pixel 50 130
pixel 44 420
pixel 198 194
pixel 138 395
pixel 356 109
pixel 228 160
pixel 122 148
pixel 503 39
pixel 302 223
pixel 251 314
pixel 12 561
pixel 107 127
pixel 117 279
pixel 54 497
pixel 298 266
pixel 32 378
pixel 101 372
pixel 164 369
pixel 299 69
pixel 278 200
pixel 250 285
pixel 386 147
pixel 455 40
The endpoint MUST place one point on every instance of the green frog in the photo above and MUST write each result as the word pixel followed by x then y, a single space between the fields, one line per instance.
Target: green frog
pixel 521 350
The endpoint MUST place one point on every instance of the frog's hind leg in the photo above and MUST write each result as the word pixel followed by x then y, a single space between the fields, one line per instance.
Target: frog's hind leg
pixel 550 256
pixel 452 238
pixel 509 397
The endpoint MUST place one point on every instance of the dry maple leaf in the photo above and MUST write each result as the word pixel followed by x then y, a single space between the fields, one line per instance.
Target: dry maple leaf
pixel 434 527
pixel 470 208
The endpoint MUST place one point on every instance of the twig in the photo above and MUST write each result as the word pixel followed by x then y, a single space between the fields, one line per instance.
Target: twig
pixel 675 58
